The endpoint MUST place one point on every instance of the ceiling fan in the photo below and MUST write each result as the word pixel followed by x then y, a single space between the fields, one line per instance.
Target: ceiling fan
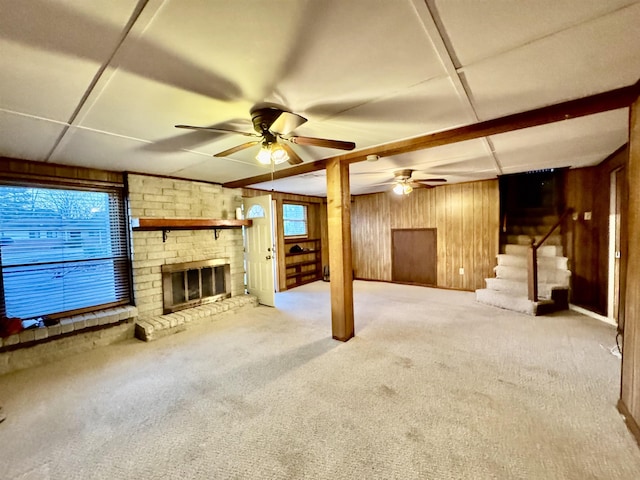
pixel 273 123
pixel 403 184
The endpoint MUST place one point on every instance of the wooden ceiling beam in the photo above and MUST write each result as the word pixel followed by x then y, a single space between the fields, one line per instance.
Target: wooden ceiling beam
pixel 601 102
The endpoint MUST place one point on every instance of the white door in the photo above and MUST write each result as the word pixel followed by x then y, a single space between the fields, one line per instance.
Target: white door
pixel 259 249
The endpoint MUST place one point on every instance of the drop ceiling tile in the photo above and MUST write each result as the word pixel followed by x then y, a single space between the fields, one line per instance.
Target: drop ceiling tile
pixel 148 109
pixel 479 30
pixel 572 143
pixel 427 107
pixel 314 184
pixel 51 51
pixel 357 51
pixel 220 170
pixel 27 137
pixel 594 57
pixel 92 149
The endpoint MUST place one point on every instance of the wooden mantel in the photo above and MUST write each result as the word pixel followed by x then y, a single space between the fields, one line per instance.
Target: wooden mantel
pixel 168 224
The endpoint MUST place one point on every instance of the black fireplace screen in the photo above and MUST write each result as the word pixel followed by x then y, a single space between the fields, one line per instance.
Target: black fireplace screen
pixel 195 283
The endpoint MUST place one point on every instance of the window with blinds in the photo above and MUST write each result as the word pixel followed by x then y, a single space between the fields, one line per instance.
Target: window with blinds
pixel 295 220
pixel 61 250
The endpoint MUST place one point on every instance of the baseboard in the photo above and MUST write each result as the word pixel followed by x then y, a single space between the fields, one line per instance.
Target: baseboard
pixel 413 284
pixel 629 421
pixel 591 314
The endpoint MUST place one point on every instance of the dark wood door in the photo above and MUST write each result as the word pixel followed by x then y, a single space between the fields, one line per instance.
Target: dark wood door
pixel 414 256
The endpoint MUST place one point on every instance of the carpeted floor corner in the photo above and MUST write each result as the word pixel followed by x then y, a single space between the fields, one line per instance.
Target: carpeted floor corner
pixel 433 386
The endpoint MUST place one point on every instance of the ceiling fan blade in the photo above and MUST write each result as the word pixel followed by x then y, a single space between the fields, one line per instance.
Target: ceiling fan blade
pixel 431 180
pixel 421 185
pixel 294 159
pixel 384 183
pixel 322 142
pixel 286 123
pixel 237 148
pixel 218 130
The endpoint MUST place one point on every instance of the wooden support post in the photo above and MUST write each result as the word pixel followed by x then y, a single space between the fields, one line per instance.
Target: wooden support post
pixel 532 273
pixel 340 263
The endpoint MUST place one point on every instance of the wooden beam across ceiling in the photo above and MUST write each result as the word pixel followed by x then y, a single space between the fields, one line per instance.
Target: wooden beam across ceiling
pixel 601 102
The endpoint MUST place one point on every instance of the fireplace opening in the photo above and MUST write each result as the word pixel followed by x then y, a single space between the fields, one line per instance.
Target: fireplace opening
pixel 187 285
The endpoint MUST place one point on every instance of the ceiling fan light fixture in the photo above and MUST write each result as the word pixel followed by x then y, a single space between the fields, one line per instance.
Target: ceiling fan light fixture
pixel 272 152
pixel 402 189
pixel 264 155
pixel 278 154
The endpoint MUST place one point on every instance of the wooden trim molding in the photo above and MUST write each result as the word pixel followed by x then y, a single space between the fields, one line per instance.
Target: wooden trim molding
pixel 186 223
pixel 633 427
pixel 168 224
pixel 601 102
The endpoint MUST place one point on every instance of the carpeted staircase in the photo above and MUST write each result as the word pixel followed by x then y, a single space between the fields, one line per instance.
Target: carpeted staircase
pixel 508 289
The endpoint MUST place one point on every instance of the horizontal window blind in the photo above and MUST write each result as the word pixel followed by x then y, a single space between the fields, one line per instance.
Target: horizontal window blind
pixel 295 220
pixel 61 250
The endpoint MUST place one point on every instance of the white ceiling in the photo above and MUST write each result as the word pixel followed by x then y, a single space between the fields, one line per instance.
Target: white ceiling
pixel 102 84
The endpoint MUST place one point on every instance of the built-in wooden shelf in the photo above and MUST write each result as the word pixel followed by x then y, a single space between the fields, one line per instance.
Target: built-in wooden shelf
pixel 168 224
pixel 305 266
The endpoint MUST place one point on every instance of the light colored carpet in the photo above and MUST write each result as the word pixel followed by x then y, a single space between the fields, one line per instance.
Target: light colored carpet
pixel 434 386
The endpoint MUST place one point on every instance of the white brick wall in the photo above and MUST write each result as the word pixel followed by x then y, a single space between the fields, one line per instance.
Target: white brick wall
pixel 155 197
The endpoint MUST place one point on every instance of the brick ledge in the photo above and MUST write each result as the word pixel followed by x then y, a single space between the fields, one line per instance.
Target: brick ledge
pixel 68 326
pixel 152 328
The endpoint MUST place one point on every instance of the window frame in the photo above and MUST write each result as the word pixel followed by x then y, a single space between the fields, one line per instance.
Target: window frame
pixel 119 192
pixel 305 221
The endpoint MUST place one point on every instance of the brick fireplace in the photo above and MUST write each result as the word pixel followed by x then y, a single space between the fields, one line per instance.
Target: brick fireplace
pixel 157 251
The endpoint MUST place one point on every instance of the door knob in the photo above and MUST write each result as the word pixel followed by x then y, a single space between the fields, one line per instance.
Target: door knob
pixel 268 257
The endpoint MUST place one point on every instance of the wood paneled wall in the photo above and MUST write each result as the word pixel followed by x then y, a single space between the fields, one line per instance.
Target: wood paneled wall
pixel 465 215
pixel 586 242
pixel 316 221
pixel 16 170
pixel 629 403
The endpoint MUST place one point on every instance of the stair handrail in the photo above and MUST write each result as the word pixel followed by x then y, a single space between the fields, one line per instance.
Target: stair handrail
pixel 532 258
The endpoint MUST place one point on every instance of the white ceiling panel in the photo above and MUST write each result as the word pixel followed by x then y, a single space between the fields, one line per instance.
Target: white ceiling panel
pixel 93 149
pixel 219 170
pixel 314 183
pixel 579 142
pixel 600 55
pixel 52 50
pixel 479 30
pixel 428 107
pixel 27 137
pixel 128 105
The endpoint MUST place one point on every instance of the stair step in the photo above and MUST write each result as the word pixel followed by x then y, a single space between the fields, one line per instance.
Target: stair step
pixel 516 303
pixel 555 239
pixel 516 287
pixel 545 275
pixel 528 230
pixel 547 220
pixel 543 251
pixel 507 259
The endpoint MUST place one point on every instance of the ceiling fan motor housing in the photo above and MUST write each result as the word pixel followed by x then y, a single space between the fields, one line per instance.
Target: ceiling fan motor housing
pixel 263 118
pixel 403 175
